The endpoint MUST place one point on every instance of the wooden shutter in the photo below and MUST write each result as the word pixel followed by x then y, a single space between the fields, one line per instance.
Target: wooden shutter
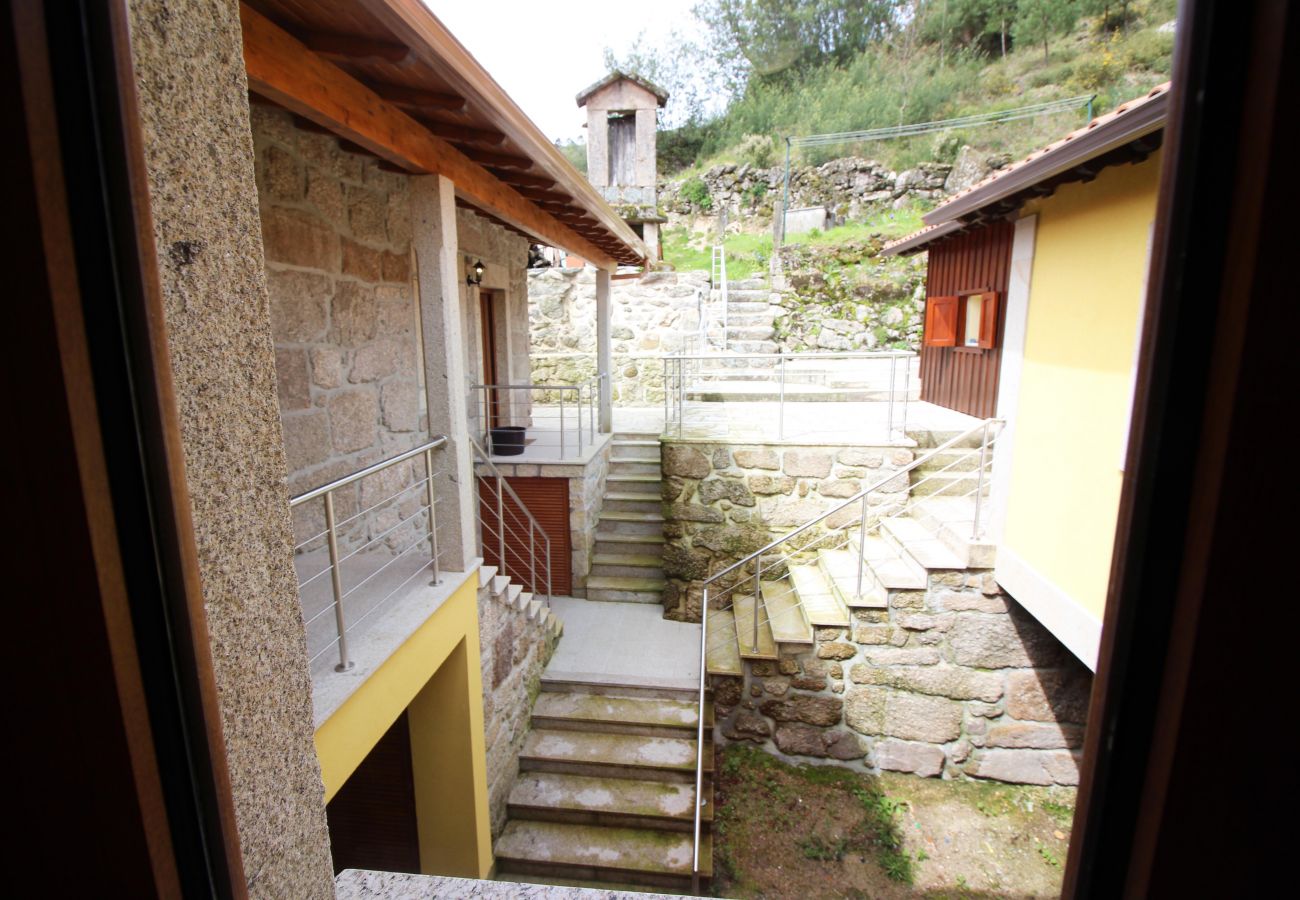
pixel 989 320
pixel 548 501
pixel 371 819
pixel 941 322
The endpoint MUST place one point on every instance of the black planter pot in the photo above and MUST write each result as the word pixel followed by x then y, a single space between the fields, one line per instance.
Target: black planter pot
pixel 508 440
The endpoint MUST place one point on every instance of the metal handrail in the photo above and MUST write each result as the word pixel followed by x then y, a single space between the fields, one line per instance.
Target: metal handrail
pixel 582 406
pixel 327 490
pixel 504 488
pixel 756 557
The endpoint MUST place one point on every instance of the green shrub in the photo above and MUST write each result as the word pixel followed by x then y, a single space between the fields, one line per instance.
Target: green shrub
pixel 696 192
pixel 1151 50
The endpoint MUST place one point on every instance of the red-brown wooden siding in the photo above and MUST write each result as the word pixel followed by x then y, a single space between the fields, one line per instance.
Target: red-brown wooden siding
pixel 372 817
pixel 548 501
pixel 961 378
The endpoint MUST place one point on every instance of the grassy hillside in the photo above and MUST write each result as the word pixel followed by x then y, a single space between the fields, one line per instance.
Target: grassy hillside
pixel 910 80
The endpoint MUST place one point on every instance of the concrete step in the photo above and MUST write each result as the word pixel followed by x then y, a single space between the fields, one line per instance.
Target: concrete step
pixel 722 655
pixel 750 333
pixel 841 569
pixel 893 570
pixel 630 523
pixel 621 466
pixel 750 320
pixel 536 610
pixel 625 589
pixel 651 485
pixel 755 346
pixel 485 575
pixel 788 621
pixel 611 802
pixel 953 520
pixel 611 755
pixel 945 484
pixel 748 284
pixel 960 459
pixel 602 688
pixel 500 582
pixel 635 436
pixel 746 305
pixel 513 593
pixel 627 501
pixel 645 544
pixel 743 607
pixel 636 449
pixel 522 601
pixel 632 565
pixel 647 856
pixel 921 544
pixel 615 714
pixel 817 597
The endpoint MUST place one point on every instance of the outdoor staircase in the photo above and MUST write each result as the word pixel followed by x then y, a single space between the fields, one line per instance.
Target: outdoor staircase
pixel 513 596
pixel 606 788
pixel 751 319
pixel 934 534
pixel 627 564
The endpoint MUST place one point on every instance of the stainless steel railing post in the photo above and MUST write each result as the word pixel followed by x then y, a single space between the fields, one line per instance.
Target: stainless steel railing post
pixel 862 544
pixel 893 369
pixel 758 591
pixel 336 579
pixel 699 746
pixel 532 559
pixel 501 526
pixel 561 396
pixel 577 416
pixel 780 428
pixel 979 483
pixel 433 513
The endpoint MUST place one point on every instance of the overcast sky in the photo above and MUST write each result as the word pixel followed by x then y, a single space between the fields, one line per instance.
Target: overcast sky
pixel 544 54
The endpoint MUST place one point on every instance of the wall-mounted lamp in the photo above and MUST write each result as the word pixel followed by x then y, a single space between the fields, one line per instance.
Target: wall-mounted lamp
pixel 477 278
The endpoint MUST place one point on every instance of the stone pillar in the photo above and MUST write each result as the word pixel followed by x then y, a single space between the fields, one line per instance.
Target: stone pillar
pixel 433 234
pixel 604 354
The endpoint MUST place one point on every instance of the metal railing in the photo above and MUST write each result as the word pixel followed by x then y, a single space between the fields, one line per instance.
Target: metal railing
pixel 718 279
pixel 840 525
pixel 561 420
pixel 509 536
pixel 785 379
pixel 367 538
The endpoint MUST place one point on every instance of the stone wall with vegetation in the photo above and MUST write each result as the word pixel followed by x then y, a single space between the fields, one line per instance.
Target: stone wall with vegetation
pixel 850 187
pixel 513 651
pixel 646 320
pixel 845 297
pixel 955 681
pixel 724 501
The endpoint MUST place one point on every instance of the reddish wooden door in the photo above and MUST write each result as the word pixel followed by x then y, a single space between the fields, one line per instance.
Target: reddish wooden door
pixel 491 372
pixel 548 501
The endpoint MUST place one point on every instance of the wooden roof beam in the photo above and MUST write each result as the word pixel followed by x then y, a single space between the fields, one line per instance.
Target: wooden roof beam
pixel 538 194
pixel 491 158
pixel 350 48
pixel 415 98
pixel 281 67
pixel 461 134
pixel 521 179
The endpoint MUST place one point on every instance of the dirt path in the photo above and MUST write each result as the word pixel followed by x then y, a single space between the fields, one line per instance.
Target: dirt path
pixel 811 832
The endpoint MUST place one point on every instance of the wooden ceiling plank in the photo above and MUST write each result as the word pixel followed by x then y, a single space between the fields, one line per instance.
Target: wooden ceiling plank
pixel 280 67
pixel 521 179
pixel 461 134
pixel 492 158
pixel 415 98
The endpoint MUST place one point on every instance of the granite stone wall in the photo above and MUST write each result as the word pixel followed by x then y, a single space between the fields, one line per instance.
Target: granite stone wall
pixel 514 651
pixel 647 318
pixel 193 104
pixel 724 501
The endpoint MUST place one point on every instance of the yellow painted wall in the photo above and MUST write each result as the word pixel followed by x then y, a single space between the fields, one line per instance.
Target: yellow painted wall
pixel 436 675
pixel 1085 295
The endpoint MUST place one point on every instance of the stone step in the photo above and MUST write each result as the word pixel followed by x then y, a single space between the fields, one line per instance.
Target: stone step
pixel 604 688
pixel 946 484
pixel 499 585
pixel 636 450
pixel 616 522
pixel 485 575
pixel 841 569
pixel 629 543
pixel 614 714
pixel 522 601
pixel 961 459
pixel 627 501
pixel 749 333
pixel 621 466
pixel 893 570
pixel 646 856
pixel 756 346
pixel 953 520
pixel 722 655
pixel 788 621
pixel 536 610
pixel 817 597
pixel 513 593
pixel 768 391
pixel 634 565
pixel 625 589
pixel 747 305
pixel 651 485
pixel 750 320
pixel 749 284
pixel 743 608
pixel 611 802
pixel 920 543
pixel 611 755
pixel 635 436
pixel 746 291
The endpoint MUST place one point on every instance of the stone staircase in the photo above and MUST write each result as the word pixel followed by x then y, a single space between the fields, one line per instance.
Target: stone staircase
pixel 932 536
pixel 513 596
pixel 606 788
pixel 627 563
pixel 750 317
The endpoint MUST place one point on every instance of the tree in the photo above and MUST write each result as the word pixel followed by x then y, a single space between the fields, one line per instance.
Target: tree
pixel 682 69
pixel 1039 20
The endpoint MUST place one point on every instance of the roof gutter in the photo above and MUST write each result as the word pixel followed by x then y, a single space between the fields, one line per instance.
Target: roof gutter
pixel 425 34
pixel 1145 119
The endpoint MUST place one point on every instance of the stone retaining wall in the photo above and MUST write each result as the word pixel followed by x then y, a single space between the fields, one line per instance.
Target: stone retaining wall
pixel 646 319
pixel 724 501
pixel 513 652
pixel 954 681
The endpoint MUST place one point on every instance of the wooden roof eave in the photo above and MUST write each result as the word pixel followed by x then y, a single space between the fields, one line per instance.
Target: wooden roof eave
pixel 283 69
pixel 419 29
